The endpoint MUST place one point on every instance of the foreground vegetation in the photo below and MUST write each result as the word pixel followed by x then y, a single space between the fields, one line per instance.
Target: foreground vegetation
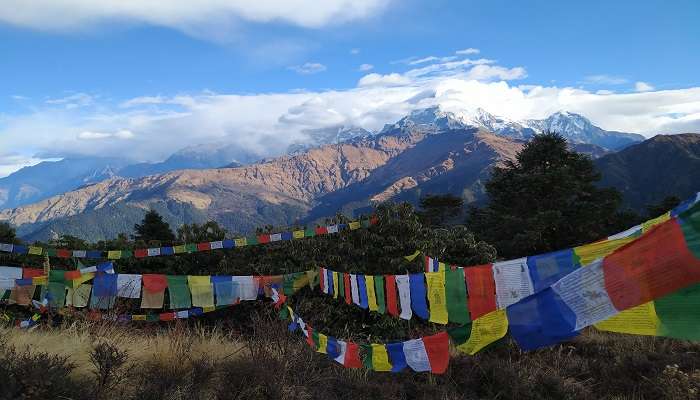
pixel 191 360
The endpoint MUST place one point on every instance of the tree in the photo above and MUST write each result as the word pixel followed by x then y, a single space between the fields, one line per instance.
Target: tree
pixel 153 228
pixel 195 233
pixel 441 209
pixel 546 200
pixel 7 233
pixel 668 203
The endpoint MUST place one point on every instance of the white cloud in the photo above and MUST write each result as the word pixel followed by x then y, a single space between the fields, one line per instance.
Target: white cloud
pixel 643 87
pixel 387 80
pixel 188 16
pixel 120 134
pixel 266 124
pixel 308 68
pixel 355 51
pixel 468 51
pixel 366 67
pixel 605 80
pixel 73 101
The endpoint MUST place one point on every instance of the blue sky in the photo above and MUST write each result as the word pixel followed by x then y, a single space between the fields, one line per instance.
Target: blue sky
pixel 105 77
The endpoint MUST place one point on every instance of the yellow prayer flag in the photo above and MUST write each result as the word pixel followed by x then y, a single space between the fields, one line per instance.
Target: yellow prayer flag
pixel 646 226
pixel 412 256
pixel 380 358
pixel 312 275
pixel 208 309
pixel 371 294
pixel 591 252
pixel 486 330
pixel 83 278
pixel 240 242
pixel 202 291
pixel 40 280
pixel 354 225
pixel 335 285
pixel 35 251
pixel 80 296
pixel 298 234
pixel 640 320
pixel 138 317
pixel 180 249
pixel 437 298
pixel 114 254
pixel 322 343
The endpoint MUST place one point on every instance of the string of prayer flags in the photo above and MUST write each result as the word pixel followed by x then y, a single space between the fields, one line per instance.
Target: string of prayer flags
pixel 184 248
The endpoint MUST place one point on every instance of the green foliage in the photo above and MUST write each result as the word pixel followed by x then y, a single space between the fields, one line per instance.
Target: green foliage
pixel 153 228
pixel 196 233
pixel 440 209
pixel 7 233
pixel 668 203
pixel 546 200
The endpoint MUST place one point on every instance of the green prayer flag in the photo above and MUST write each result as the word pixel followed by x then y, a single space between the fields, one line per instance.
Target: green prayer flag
pixel 179 292
pixel 341 285
pixel 191 247
pixel 690 224
pixel 366 350
pixel 51 252
pixel 460 334
pixel 57 276
pixel 456 293
pixel 379 294
pixel 679 313
pixel 316 339
pixel 152 317
pixel 57 294
pixel 309 233
pixel 252 240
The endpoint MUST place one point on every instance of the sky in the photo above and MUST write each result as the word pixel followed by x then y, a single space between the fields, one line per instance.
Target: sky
pixel 143 79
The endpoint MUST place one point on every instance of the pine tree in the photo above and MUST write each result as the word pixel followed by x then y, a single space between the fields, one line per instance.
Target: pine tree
pixel 546 200
pixel 7 233
pixel 153 228
pixel 441 209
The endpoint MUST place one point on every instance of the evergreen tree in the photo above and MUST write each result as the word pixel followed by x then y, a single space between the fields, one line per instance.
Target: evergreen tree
pixel 546 200
pixel 7 233
pixel 195 233
pixel 153 228
pixel 441 209
pixel 668 203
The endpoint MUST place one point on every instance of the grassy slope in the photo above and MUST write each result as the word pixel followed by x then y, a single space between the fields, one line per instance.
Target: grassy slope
pixel 186 361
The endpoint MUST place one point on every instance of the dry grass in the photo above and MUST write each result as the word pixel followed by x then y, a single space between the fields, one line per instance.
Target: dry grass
pixel 192 361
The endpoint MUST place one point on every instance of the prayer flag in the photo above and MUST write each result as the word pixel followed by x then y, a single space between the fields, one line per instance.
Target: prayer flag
pixel 416 355
pixel 456 293
pixel 380 358
pixel 129 286
pixel 438 349
pixel 545 269
pixel 391 300
pixel 362 291
pixel 354 289
pixel 348 288
pixel 483 331
pixel 379 293
pixel 225 289
pixel 513 282
pixel 202 290
pixel 437 297
pixel 247 287
pixel 153 290
pixel 402 282
pixel 179 292
pixel 396 357
pixel 418 295
pixel 371 294
pixel 352 356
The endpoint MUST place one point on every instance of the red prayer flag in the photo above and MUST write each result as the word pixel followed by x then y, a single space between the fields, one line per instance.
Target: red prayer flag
pixel 264 239
pixel 154 283
pixel 203 246
pixel 348 289
pixel 374 220
pixel 72 275
pixel 438 349
pixel 63 253
pixel 32 272
pixel 310 337
pixel 321 230
pixel 656 264
pixel 140 253
pixel 322 279
pixel 481 290
pixel 352 356
pixel 169 316
pixel 391 300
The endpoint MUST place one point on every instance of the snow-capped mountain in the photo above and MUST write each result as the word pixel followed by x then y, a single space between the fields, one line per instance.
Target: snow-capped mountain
pixel 330 135
pixel 575 128
pixel 579 129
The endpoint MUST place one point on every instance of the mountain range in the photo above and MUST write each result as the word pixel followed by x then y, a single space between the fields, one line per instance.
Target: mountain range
pixel 428 151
